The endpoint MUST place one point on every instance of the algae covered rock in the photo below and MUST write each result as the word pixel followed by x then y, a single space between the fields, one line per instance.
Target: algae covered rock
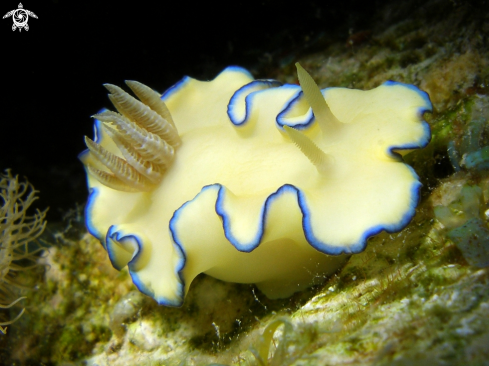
pixel 472 238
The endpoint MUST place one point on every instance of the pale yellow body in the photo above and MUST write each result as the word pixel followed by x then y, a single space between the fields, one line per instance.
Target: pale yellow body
pixel 249 234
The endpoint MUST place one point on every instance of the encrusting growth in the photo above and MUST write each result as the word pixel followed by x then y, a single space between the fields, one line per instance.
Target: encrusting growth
pixel 17 230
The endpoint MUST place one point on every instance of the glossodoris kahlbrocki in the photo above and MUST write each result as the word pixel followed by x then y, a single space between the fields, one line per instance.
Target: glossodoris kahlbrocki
pixel 239 179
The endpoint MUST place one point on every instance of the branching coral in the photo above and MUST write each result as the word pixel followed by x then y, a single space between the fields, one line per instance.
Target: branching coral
pixel 17 230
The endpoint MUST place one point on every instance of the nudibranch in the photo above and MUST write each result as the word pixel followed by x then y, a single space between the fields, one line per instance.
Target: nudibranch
pixel 249 181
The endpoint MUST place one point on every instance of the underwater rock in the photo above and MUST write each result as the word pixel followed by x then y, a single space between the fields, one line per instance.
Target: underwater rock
pixel 466 227
pixel 125 309
pixel 469 150
pixel 461 209
pixel 478 160
pixel 472 239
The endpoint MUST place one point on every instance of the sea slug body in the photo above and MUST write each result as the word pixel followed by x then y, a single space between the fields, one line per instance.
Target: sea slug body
pixel 242 180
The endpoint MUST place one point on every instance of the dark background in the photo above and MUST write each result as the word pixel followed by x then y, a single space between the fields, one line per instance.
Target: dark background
pixel 53 73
